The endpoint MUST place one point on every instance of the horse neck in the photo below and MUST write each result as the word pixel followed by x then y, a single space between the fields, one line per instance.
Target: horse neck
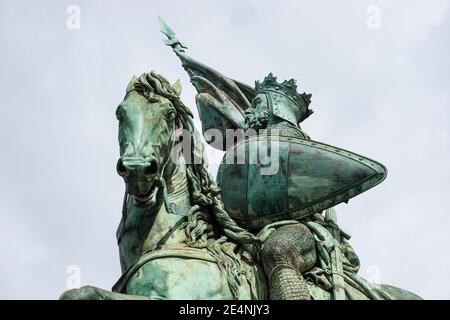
pixel 177 184
pixel 166 231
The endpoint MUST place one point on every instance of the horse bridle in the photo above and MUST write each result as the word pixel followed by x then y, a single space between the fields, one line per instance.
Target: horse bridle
pixel 160 183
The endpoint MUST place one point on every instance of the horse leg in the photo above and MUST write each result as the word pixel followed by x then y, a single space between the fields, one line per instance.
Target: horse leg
pixel 94 293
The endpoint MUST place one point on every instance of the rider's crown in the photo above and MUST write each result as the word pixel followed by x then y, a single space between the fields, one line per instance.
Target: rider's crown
pixel 288 89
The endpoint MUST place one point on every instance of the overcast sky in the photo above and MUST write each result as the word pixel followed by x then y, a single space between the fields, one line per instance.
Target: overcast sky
pixel 379 73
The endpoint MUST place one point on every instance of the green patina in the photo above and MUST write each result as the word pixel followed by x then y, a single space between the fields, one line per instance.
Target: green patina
pixel 258 236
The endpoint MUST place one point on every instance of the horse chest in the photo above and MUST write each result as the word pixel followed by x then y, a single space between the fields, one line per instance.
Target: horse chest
pixel 136 227
pixel 144 231
pixel 164 232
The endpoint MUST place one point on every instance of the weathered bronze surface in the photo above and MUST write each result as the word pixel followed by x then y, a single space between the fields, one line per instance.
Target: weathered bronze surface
pixel 262 236
pixel 311 177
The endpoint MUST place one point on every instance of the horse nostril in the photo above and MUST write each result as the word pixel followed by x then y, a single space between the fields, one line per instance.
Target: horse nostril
pixel 151 169
pixel 121 169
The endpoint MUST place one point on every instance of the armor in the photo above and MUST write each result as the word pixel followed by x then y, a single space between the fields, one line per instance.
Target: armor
pixel 310 176
pixel 283 101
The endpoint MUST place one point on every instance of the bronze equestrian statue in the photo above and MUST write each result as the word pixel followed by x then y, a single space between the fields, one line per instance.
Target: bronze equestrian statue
pixel 254 235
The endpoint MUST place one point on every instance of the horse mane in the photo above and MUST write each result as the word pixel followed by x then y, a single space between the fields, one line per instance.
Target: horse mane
pixel 204 193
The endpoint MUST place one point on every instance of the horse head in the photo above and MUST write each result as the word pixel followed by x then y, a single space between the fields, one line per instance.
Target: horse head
pixel 148 118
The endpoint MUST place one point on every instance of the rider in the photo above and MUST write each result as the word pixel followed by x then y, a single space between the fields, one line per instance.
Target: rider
pixel 290 250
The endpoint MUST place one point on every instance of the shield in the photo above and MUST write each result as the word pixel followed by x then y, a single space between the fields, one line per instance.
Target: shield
pixel 270 178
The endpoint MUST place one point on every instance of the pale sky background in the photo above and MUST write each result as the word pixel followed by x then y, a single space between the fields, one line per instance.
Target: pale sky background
pixel 380 92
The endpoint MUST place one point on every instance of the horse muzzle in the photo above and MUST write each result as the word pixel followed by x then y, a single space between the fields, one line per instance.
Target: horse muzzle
pixel 139 175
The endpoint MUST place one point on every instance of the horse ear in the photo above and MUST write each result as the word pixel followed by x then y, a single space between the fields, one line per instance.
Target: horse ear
pixel 177 87
pixel 131 84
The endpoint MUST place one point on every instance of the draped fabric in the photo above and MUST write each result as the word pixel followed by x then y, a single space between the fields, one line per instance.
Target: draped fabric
pixel 320 277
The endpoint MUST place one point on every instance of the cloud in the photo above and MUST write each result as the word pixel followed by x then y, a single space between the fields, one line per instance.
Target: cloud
pixel 383 93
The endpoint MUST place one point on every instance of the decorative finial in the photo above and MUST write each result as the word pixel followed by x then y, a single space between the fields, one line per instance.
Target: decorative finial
pixel 172 41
